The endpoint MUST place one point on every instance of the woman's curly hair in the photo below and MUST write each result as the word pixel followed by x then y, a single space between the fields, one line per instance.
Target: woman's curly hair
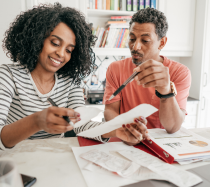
pixel 24 39
pixel 151 15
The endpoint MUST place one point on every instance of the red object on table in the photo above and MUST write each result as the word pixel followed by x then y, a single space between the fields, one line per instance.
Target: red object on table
pixel 146 146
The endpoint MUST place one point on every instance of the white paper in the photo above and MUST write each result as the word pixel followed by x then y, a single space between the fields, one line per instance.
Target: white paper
pixel 188 146
pixel 162 133
pixel 122 167
pixel 103 178
pixel 86 114
pixel 128 117
pixel 144 173
pixel 169 172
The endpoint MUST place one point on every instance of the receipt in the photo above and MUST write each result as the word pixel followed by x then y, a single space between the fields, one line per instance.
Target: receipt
pixel 109 162
pixel 128 117
pixel 166 171
pixel 144 173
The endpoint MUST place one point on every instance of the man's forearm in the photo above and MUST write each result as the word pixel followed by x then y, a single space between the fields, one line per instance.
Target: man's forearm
pixel 170 114
pixel 110 114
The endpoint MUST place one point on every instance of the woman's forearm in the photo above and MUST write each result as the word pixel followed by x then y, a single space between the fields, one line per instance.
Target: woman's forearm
pixel 20 130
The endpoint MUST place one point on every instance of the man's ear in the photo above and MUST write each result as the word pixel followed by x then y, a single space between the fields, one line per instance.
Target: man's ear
pixel 163 41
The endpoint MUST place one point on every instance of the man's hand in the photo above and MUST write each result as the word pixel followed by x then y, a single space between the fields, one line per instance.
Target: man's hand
pixel 133 133
pixel 154 74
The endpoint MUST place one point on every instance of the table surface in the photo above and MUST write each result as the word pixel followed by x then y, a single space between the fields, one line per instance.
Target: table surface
pixel 53 163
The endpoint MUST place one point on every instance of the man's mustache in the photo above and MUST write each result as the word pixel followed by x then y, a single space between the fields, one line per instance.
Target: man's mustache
pixel 136 53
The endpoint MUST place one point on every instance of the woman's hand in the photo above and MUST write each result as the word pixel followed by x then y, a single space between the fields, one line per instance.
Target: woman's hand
pixel 133 133
pixel 51 120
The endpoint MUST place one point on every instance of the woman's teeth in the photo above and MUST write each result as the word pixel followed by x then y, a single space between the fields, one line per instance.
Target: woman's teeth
pixel 57 62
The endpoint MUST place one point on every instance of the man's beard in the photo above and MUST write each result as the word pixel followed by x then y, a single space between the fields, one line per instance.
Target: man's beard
pixel 136 62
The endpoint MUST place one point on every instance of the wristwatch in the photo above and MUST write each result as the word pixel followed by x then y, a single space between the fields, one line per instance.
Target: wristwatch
pixel 172 94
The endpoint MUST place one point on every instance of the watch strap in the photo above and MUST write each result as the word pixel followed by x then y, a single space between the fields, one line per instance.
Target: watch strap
pixel 164 96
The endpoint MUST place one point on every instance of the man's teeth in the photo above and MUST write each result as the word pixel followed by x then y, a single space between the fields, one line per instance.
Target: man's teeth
pixel 57 62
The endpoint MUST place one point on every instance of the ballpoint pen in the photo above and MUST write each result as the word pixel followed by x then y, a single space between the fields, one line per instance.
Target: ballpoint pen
pixel 124 84
pixel 64 117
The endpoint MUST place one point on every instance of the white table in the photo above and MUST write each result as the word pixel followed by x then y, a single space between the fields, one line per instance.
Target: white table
pixel 53 163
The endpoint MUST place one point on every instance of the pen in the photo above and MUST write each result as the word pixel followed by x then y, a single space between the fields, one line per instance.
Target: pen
pixel 64 117
pixel 124 84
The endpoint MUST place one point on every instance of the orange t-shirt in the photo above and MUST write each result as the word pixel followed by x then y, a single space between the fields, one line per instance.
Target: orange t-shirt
pixel 133 95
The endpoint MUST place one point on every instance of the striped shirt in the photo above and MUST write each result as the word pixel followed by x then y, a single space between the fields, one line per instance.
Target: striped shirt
pixel 19 97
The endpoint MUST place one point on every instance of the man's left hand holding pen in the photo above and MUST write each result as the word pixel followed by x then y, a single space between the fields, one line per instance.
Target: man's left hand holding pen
pixel 51 119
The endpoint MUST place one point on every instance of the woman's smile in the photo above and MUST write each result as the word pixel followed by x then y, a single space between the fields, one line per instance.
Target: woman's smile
pixel 55 62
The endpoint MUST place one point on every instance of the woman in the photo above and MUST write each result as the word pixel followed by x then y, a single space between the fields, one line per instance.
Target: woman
pixel 51 50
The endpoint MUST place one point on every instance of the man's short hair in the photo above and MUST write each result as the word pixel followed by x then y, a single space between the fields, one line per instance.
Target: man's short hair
pixel 151 15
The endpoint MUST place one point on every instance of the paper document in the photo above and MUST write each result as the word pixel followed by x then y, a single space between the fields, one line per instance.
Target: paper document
pixel 86 114
pixel 146 166
pixel 184 145
pixel 168 172
pixel 128 117
pixel 101 177
pixel 110 162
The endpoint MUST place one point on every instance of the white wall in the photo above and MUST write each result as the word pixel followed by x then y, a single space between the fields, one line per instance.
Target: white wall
pixel 8 11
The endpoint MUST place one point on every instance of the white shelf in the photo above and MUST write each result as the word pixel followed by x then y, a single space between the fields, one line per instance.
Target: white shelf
pixel 106 13
pixel 112 51
pixel 126 52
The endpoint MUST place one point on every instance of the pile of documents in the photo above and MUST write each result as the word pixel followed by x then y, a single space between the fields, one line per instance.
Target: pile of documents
pixel 116 164
pixel 184 145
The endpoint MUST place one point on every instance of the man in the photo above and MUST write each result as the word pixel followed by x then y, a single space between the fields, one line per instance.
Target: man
pixel 159 77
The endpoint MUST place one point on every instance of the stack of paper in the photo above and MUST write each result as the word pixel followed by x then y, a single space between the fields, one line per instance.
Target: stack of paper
pixel 135 165
pixel 184 145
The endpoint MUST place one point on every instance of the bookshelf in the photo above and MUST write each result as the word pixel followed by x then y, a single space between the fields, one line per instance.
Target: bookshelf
pixel 108 13
pixel 180 33
pixel 112 51
pixel 99 18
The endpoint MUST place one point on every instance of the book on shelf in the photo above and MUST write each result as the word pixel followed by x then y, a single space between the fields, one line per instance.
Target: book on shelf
pixel 99 4
pixel 121 17
pixel 103 4
pixel 115 33
pixel 153 4
pixel 108 4
pixel 146 3
pixel 118 38
pixel 102 38
pixel 116 22
pixel 120 41
pixel 129 5
pixel 120 5
pixel 141 4
pixel 111 4
pixel 124 39
pixel 105 38
pixel 96 4
pixel 116 5
pixel 134 5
